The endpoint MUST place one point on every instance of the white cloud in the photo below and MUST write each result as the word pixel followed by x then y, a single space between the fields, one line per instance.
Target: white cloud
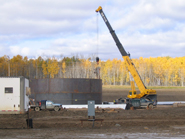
pixel 25 51
pixel 38 17
pixel 145 28
pixel 15 50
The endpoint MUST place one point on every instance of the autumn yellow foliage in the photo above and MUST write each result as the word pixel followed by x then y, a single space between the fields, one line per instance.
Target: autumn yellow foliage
pixel 162 71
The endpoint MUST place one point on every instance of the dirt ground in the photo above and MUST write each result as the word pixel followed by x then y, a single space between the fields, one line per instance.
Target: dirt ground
pixel 161 122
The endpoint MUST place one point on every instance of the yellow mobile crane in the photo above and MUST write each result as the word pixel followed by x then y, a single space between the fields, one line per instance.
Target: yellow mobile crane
pixel 144 92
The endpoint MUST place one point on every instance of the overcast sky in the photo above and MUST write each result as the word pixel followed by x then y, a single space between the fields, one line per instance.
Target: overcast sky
pixel 65 28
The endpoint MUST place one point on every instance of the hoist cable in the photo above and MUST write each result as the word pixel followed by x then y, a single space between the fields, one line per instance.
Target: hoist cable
pixel 97 35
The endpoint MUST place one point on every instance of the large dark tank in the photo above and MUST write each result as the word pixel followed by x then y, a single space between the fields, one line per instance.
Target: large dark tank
pixel 67 90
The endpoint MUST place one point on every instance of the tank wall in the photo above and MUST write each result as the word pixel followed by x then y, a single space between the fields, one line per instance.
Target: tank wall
pixel 67 91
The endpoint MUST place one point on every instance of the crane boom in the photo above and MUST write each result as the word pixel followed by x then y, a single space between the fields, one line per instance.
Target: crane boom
pixel 130 65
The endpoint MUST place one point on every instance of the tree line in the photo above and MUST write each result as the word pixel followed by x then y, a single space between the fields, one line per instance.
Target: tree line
pixel 159 71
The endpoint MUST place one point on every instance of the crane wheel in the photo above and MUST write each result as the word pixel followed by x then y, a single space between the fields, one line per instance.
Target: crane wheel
pixel 37 109
pixel 150 106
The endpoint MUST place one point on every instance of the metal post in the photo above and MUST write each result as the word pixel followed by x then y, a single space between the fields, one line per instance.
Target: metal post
pixel 8 66
pixel 28 126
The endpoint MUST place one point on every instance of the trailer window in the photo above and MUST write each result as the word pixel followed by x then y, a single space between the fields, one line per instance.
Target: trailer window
pixel 8 89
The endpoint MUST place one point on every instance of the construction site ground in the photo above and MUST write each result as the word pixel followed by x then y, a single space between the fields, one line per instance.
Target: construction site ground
pixel 161 122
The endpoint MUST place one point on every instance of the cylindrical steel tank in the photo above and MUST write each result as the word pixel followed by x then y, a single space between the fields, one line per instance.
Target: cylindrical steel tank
pixel 67 90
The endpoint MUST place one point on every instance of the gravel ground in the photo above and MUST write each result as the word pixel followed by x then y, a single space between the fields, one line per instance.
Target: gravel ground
pixel 161 122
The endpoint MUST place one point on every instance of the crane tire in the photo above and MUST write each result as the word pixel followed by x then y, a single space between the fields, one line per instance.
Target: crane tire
pixel 150 106
pixel 37 109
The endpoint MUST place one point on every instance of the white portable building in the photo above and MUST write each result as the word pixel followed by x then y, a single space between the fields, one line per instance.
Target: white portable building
pixel 14 95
